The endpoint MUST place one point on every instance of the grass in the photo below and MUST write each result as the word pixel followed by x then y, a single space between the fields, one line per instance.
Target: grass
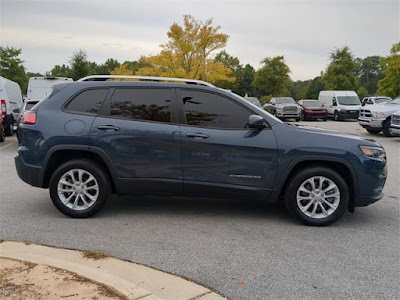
pixel 94 255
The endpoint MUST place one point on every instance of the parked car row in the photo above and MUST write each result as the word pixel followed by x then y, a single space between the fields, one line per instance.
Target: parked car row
pixel 12 104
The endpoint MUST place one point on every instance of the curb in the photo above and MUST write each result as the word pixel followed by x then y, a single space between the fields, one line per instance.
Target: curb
pixel 132 280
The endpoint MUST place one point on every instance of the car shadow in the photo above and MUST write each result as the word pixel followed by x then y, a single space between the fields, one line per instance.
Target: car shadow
pixel 185 206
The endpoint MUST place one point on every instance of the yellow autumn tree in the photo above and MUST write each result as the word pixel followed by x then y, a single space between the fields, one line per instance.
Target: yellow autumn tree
pixel 188 52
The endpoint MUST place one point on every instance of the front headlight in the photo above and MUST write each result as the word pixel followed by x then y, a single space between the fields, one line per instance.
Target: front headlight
pixel 378 114
pixel 375 152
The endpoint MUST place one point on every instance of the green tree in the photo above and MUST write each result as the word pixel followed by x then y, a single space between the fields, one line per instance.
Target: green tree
pixel 273 78
pixel 79 65
pixel 187 53
pixel 232 63
pixel 61 71
pixel 390 84
pixel 105 69
pixel 299 89
pixel 369 72
pixel 11 66
pixel 314 87
pixel 340 73
pixel 244 82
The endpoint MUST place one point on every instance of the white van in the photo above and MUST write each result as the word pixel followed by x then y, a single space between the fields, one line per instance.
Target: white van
pixel 40 87
pixel 340 104
pixel 10 103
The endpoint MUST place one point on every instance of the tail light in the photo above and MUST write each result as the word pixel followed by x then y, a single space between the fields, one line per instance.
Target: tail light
pixel 3 107
pixel 29 117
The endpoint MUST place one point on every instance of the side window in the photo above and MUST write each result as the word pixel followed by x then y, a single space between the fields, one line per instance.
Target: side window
pixel 142 104
pixel 204 109
pixel 88 102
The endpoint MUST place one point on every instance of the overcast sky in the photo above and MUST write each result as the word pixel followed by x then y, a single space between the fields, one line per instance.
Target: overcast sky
pixel 303 31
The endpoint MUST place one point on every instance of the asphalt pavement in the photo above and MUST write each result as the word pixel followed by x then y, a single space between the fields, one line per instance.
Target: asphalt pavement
pixel 239 248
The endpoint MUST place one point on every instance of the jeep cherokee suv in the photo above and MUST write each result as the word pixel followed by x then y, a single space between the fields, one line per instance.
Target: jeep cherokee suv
pixel 92 138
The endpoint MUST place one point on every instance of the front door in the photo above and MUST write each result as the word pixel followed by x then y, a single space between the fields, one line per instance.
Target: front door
pixel 221 155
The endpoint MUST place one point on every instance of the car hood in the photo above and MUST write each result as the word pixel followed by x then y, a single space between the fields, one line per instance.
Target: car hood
pixel 333 133
pixel 383 107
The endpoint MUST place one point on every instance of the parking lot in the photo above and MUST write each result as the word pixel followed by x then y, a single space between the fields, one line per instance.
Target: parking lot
pixel 219 243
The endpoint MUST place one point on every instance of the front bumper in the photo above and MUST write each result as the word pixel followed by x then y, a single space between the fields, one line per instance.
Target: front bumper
pixel 371 123
pixel 348 114
pixel 28 173
pixel 288 115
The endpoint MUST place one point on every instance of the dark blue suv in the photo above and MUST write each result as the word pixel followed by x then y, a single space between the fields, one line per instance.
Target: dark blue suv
pixel 92 138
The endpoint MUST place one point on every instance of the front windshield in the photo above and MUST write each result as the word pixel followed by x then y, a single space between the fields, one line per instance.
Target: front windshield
pixel 282 100
pixel 394 101
pixel 348 100
pixel 312 104
pixel 380 100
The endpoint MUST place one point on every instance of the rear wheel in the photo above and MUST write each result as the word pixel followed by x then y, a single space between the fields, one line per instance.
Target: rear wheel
pixel 9 129
pixel 373 131
pixel 2 134
pixel 79 188
pixel 386 128
pixel 298 119
pixel 317 196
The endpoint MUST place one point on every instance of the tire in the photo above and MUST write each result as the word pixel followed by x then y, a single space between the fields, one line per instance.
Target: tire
pixel 2 135
pixel 77 199
pixel 9 130
pixel 386 128
pixel 374 131
pixel 325 119
pixel 315 208
pixel 298 119
pixel 336 116
pixel 303 118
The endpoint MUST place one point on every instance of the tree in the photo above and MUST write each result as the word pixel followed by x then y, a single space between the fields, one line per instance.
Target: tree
pixel 273 78
pixel 11 66
pixel 61 71
pixel 244 81
pixel 314 87
pixel 299 89
pixel 390 84
pixel 340 73
pixel 188 51
pixel 79 65
pixel 369 72
pixel 232 63
pixel 106 68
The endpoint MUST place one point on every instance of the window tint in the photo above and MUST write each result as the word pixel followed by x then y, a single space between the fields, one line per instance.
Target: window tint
pixel 88 101
pixel 142 104
pixel 210 110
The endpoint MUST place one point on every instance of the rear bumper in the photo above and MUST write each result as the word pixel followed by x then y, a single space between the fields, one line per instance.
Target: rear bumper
pixel 367 200
pixel 28 173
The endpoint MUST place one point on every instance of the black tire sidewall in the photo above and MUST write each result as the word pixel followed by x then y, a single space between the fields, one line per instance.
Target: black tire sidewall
pixel 386 128
pixel 299 178
pixel 91 167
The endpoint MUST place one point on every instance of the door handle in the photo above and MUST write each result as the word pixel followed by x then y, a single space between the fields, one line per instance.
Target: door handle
pixel 197 135
pixel 108 127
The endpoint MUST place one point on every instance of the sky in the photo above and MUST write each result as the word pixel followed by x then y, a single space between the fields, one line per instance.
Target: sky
pixel 305 32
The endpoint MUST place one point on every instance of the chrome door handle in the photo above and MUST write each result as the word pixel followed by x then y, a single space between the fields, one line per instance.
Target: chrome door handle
pixel 197 135
pixel 108 127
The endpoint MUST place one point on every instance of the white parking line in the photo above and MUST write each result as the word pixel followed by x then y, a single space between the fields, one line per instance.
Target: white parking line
pixel 1 148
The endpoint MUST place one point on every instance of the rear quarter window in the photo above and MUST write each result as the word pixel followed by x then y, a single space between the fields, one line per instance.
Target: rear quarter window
pixel 87 102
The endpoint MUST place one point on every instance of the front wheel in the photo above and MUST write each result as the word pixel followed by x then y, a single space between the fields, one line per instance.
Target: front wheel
pixel 386 128
pixel 79 188
pixel 336 116
pixel 317 196
pixel 9 130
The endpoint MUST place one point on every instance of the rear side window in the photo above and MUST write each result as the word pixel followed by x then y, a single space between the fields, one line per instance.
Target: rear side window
pixel 205 109
pixel 88 102
pixel 142 104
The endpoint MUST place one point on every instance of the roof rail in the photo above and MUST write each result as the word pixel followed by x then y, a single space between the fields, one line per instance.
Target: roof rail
pixel 151 78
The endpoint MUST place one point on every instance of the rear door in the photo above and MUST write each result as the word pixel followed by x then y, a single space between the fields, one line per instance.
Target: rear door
pixel 221 155
pixel 137 132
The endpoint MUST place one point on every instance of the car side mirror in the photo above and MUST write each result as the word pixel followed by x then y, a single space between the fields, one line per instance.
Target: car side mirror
pixel 255 121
